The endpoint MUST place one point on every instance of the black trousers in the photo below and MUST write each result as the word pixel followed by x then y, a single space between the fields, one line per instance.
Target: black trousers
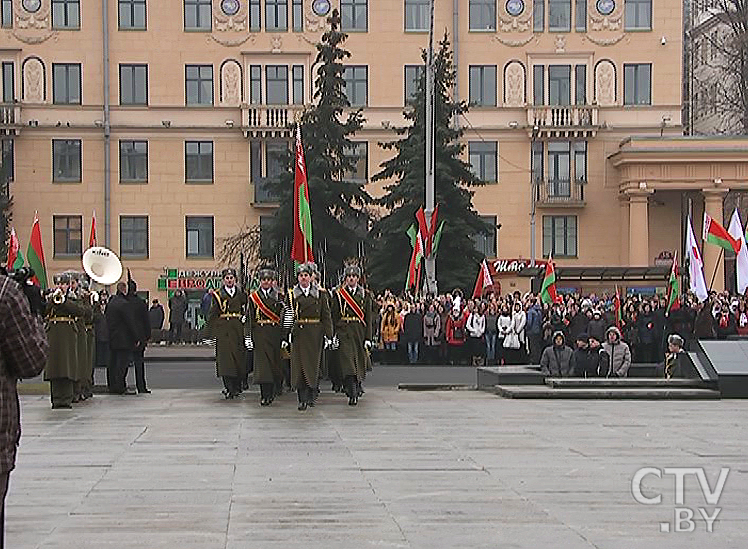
pixel 175 332
pixel 4 478
pixel 233 385
pixel 117 372
pixel 267 391
pixel 305 394
pixel 61 391
pixel 139 362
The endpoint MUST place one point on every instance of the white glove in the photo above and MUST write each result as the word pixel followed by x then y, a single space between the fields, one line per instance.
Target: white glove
pixel 285 345
pixel 335 343
pixel 367 345
pixel 248 343
pixel 328 342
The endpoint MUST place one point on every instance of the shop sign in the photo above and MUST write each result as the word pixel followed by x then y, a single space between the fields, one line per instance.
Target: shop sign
pixel 664 259
pixel 197 279
pixel 510 267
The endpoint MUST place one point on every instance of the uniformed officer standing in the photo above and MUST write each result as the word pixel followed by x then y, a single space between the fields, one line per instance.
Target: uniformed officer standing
pixel 353 317
pixel 311 332
pixel 265 312
pixel 225 321
pixel 83 316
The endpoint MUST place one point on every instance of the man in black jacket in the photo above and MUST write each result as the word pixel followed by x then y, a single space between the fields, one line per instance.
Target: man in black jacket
pixel 141 317
pixel 123 337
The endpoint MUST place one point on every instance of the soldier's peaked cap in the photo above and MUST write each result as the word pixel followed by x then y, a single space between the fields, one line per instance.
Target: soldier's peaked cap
pixel 308 268
pixel 229 271
pixel 354 270
pixel 267 272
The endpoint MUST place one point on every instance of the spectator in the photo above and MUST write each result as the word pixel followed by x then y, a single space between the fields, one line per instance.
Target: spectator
pixel 578 321
pixel 597 325
pixel 598 359
pixel 519 322
pixel 581 356
pixel 390 330
pixel 646 331
pixel 492 316
pixel 741 319
pixel 177 320
pixel 476 328
pixel 413 332
pixel 534 330
pixel 557 359
pixel 503 329
pixel 619 353
pixel 141 317
pixel 123 338
pixel 156 315
pixel 431 333
pixel 455 333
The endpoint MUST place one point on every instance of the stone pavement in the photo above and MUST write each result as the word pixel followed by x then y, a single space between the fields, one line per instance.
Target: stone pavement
pixel 183 469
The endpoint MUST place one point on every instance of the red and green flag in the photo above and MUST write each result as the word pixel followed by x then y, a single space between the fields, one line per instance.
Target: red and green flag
pixel 617 310
pixel 437 239
pixel 716 234
pixel 301 250
pixel 415 257
pixel 673 288
pixel 548 289
pixel 35 255
pixel 15 257
pixel 92 236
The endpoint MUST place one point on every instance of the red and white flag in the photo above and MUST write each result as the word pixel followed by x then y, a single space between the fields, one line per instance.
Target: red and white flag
pixel 484 280
pixel 92 236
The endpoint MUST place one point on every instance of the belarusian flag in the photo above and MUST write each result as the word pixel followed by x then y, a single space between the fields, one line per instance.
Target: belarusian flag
pixel 714 233
pixel 15 257
pixel 548 289
pixel 301 250
pixel 92 236
pixel 415 256
pixel 437 239
pixel 617 310
pixel 35 255
pixel 484 280
pixel 673 288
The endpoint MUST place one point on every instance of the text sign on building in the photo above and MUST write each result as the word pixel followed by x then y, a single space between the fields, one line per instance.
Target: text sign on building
pixel 175 279
pixel 510 267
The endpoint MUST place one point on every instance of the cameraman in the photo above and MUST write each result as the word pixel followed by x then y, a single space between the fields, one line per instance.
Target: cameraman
pixel 23 354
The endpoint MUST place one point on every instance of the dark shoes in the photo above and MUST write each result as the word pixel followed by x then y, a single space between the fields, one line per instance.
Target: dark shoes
pixel 265 402
pixel 62 406
pixel 352 401
pixel 144 391
pixel 302 406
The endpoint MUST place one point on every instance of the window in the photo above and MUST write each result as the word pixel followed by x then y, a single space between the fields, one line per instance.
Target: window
pixel 198 161
pixel 255 84
pixel 276 152
pixel 637 84
pixel 482 15
pixel 8 159
pixel 267 225
pixel 9 82
pixel 298 84
pixel 262 191
pixel 298 16
pixel 483 157
pixel 559 15
pixel 276 15
pixel 559 169
pixel 417 15
pixel 560 235
pixel 133 236
pixel 6 14
pixel 485 243
pixel 66 160
pixel 580 161
pixel 276 84
pixel 580 15
pixel 66 83
pixel 356 85
pixel 358 154
pixel 68 235
pixel 638 14
pixel 133 84
pixel 559 84
pixel 538 81
pixel 197 15
pixel 353 15
pixel 413 75
pixel 580 84
pixel 254 15
pixel 483 85
pixel 199 84
pixel 538 15
pixel 66 14
pixel 133 161
pixel 132 14
pixel 199 231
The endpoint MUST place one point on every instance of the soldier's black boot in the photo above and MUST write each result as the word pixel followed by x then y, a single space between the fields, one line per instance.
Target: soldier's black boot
pixel 351 389
pixel 302 393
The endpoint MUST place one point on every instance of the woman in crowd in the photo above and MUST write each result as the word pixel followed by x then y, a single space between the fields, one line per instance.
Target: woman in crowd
pixel 492 316
pixel 390 330
pixel 456 335
pixel 431 331
pixel 476 328
pixel 503 329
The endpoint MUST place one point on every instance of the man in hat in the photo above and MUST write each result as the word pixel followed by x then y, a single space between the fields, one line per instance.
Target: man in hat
pixel 310 333
pixel 353 318
pixel 265 312
pixel 225 322
pixel 139 312
pixel 677 364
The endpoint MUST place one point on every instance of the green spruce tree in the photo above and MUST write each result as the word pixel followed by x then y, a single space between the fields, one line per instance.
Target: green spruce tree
pixel 457 259
pixel 338 206
pixel 6 205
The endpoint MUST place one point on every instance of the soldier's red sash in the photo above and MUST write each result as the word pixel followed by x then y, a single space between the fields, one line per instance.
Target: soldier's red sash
pixel 358 311
pixel 264 309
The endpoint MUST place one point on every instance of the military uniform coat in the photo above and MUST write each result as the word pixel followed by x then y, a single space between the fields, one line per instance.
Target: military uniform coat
pixel 229 332
pixel 62 361
pixel 312 322
pixel 83 321
pixel 351 331
pixel 266 336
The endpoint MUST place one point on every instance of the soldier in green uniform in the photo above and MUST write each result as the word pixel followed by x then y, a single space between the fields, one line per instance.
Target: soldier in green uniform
pixel 74 295
pixel 311 332
pixel 225 321
pixel 353 317
pixel 62 362
pixel 264 324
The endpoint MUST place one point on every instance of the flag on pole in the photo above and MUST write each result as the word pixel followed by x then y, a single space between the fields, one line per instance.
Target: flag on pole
pixel 741 261
pixel 673 287
pixel 617 310
pixel 714 233
pixel 415 256
pixel 15 257
pixel 301 250
pixel 92 236
pixel 35 255
pixel 484 280
pixel 548 289
pixel 423 231
pixel 696 282
pixel 437 239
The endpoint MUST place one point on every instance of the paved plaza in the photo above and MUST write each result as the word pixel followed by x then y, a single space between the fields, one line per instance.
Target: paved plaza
pixel 182 469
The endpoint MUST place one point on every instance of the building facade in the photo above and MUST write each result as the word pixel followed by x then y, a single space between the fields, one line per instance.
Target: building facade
pixel 162 117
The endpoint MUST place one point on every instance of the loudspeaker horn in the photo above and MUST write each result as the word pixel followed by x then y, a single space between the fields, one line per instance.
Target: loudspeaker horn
pixel 102 265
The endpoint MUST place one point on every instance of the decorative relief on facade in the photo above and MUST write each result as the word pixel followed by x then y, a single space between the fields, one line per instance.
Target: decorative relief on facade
pixel 605 22
pixel 230 16
pixel 231 83
pixel 515 20
pixel 276 43
pixel 560 44
pixel 232 42
pixel 514 84
pixel 312 21
pixel 514 43
pixel 33 80
pixel 32 23
pixel 605 83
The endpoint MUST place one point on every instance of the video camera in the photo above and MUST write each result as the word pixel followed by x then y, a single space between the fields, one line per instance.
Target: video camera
pixel 33 293
pixel 21 276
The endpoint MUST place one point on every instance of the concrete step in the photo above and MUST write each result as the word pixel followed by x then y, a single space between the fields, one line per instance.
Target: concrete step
pixel 614 382
pixel 608 393
pixel 490 376
pixel 434 386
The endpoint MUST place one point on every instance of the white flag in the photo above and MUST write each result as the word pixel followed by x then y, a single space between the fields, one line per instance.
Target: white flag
pixel 697 284
pixel 741 261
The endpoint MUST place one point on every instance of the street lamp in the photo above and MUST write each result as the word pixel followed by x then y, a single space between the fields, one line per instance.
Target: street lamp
pixel 533 194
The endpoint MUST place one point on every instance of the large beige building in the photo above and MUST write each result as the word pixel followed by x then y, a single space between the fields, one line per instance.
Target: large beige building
pixel 573 105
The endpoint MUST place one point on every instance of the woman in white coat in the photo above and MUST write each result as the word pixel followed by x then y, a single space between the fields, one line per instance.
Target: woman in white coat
pixel 514 342
pixel 503 331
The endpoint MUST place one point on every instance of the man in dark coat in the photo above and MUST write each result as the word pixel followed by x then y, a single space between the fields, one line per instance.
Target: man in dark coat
pixel 557 359
pixel 310 333
pixel 141 317
pixel 225 324
pixel 123 338
pixel 677 364
pixel 352 313
pixel 177 320
pixel 264 316
pixel 156 315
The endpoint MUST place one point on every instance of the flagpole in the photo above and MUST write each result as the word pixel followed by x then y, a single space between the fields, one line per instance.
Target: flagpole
pixel 716 267
pixel 431 285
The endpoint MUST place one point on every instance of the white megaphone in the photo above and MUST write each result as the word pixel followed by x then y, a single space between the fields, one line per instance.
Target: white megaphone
pixel 102 265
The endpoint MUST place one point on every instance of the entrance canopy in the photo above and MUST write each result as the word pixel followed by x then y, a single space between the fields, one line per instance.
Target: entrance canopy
pixel 615 274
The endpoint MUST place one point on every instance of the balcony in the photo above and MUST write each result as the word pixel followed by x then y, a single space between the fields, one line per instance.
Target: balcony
pixel 563 120
pixel 269 121
pixel 563 193
pixel 10 118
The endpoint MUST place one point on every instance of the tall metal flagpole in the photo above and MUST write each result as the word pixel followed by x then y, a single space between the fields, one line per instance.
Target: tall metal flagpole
pixel 431 286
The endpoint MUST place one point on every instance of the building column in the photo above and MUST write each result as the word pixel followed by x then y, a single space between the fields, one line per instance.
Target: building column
pixel 713 202
pixel 623 253
pixel 639 227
